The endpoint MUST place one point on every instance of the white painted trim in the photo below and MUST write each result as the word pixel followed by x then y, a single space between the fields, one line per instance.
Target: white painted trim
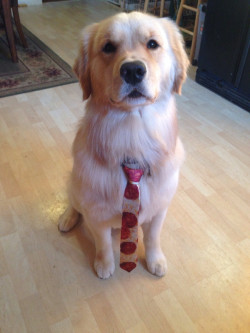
pixel 30 2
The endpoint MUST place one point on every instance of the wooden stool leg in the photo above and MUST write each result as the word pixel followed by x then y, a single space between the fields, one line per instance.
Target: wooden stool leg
pixel 9 29
pixel 18 24
pixel 146 6
pixel 193 46
pixel 179 14
pixel 162 8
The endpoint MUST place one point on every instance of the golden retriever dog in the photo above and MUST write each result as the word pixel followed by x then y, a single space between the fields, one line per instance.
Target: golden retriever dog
pixel 129 67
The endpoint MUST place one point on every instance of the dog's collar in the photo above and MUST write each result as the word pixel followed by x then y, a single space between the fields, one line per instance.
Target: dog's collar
pixel 132 163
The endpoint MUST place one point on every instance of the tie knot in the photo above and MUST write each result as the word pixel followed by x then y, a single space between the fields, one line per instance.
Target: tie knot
pixel 133 175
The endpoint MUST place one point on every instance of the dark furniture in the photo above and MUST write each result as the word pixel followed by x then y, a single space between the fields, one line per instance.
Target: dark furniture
pixel 224 59
pixel 6 7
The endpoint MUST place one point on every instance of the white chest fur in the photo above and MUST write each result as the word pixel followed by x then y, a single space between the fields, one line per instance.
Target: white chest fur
pixel 102 143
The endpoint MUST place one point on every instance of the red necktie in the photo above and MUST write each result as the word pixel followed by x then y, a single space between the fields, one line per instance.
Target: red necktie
pixel 129 229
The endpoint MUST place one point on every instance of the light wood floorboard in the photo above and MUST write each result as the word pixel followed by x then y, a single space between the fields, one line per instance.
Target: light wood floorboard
pixel 47 282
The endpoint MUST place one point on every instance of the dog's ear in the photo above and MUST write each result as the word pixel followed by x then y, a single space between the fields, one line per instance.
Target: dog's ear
pixel 82 66
pixel 177 44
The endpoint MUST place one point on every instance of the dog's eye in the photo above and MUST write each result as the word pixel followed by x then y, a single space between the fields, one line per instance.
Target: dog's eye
pixel 109 48
pixel 152 44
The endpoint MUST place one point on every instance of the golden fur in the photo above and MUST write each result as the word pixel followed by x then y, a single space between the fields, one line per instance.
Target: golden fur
pixel 116 126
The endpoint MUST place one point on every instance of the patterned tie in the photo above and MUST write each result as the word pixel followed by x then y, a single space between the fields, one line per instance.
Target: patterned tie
pixel 130 208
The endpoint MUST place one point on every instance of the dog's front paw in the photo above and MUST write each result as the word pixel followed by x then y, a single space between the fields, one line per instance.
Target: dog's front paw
pixel 104 267
pixel 157 263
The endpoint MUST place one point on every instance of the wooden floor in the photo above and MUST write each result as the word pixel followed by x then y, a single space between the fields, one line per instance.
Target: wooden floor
pixel 47 282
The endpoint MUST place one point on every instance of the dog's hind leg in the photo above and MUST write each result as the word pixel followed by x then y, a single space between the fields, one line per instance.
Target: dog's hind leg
pixel 68 219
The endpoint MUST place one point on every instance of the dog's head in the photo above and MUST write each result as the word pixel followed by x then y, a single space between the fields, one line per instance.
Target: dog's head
pixel 131 59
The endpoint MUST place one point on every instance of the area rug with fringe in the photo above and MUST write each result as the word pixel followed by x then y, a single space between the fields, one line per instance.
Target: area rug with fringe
pixel 38 67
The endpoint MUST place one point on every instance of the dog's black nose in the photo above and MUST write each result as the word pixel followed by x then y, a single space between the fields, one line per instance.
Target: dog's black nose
pixel 133 72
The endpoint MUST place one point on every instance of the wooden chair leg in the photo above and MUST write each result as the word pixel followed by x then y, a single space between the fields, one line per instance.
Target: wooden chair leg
pixel 9 29
pixel 18 23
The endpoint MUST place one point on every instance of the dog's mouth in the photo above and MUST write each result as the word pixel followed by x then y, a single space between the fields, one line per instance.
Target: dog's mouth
pixel 135 94
pixel 134 97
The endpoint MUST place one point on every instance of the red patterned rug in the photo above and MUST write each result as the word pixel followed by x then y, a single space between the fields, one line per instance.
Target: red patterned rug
pixel 38 67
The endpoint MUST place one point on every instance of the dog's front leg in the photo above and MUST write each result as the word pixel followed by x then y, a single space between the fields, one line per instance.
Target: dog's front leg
pixel 104 261
pixel 156 261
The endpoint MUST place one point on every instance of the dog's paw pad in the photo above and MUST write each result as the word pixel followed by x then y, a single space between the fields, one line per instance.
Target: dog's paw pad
pixel 158 266
pixel 103 269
